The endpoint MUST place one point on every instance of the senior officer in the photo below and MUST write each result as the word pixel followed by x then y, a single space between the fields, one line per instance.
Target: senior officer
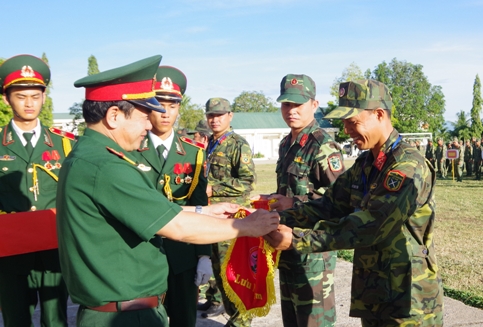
pixel 177 172
pixel 109 210
pixel 383 207
pixel 231 178
pixel 309 161
pixel 31 155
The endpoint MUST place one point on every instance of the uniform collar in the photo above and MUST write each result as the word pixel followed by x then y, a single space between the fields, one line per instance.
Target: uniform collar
pixel 157 141
pixel 37 130
pixel 303 135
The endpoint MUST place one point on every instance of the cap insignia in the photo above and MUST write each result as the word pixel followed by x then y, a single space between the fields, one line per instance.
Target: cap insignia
pixel 167 84
pixel 294 81
pixel 27 72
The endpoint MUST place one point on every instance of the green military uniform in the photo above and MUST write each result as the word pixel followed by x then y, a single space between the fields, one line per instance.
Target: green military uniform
pixel 383 208
pixel 468 156
pixel 304 169
pixel 26 279
pixel 477 160
pixel 182 170
pixel 388 218
pixel 440 154
pixel 110 209
pixel 231 175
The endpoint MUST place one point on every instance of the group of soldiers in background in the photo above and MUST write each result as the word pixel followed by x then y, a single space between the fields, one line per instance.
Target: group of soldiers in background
pixel 469 158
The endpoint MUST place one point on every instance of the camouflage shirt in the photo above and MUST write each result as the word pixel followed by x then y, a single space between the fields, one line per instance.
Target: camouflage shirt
pixel 231 172
pixel 440 152
pixel 384 209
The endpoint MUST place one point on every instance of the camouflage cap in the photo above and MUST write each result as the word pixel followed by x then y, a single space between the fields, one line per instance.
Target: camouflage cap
pixel 217 106
pixel 356 96
pixel 296 89
pixel 201 127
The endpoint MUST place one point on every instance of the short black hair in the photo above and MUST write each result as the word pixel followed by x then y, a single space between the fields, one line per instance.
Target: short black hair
pixel 94 111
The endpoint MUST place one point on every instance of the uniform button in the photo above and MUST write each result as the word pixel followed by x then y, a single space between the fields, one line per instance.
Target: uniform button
pixel 33 208
pixel 301 234
pixel 161 182
pixel 31 189
pixel 5 168
pixel 30 170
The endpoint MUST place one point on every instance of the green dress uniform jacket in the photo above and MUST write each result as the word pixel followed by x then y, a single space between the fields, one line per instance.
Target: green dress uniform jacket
pixel 17 195
pixel 231 171
pixel 183 170
pixel 384 209
pixel 305 168
pixel 109 214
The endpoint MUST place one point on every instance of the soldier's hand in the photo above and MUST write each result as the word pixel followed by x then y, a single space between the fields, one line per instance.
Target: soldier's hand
pixel 281 203
pixel 259 223
pixel 221 210
pixel 280 239
pixel 203 270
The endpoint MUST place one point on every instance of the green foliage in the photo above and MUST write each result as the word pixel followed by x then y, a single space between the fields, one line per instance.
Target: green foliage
pixel 5 112
pixel 416 100
pixel 253 102
pixel 76 111
pixel 476 125
pixel 467 298
pixel 351 73
pixel 462 126
pixel 189 114
pixel 258 155
pixel 46 115
pixel 92 67
pixel 347 255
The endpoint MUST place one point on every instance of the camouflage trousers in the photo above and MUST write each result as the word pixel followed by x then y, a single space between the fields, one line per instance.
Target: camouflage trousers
pixel 307 289
pixel 441 167
pixel 477 169
pixel 217 257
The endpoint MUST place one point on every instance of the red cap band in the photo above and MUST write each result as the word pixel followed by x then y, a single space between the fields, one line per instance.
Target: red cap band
pixel 26 74
pixel 119 92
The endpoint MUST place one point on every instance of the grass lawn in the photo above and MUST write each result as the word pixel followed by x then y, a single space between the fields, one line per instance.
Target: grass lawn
pixel 458 232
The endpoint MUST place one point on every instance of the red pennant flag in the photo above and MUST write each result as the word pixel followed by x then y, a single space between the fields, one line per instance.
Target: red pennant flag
pixel 248 273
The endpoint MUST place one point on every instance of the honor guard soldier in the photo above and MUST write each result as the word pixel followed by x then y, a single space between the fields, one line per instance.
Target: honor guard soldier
pixel 31 155
pixel 309 161
pixel 383 208
pixel 112 213
pixel 177 164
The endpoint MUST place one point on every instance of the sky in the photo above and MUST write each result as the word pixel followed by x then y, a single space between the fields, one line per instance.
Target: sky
pixel 226 47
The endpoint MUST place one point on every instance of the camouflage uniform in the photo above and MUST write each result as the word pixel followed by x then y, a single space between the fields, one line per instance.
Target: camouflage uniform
pixel 440 154
pixel 477 160
pixel 231 174
pixel 468 159
pixel 458 163
pixel 429 153
pixel 304 170
pixel 395 275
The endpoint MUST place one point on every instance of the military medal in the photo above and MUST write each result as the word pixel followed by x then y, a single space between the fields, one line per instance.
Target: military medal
pixel 188 179
pixel 178 169
pixel 46 157
pixel 56 157
pixel 7 157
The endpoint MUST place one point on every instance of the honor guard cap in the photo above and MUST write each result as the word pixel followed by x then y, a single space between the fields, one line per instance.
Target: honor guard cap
pixel 296 89
pixel 170 84
pixel 24 71
pixel 218 106
pixel 357 96
pixel 133 83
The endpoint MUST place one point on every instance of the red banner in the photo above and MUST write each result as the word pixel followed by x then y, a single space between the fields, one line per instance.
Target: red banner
pixel 248 272
pixel 26 232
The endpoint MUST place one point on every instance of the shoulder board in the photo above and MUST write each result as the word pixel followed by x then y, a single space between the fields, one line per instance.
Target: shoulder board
pixel 192 142
pixel 60 132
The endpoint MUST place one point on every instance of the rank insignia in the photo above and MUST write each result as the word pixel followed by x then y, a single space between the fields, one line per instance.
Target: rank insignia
pixel 373 186
pixel 245 158
pixel 7 157
pixel 335 164
pixel 303 140
pixel 298 160
pixel 143 167
pixel 394 180
pixel 220 154
pixel 380 160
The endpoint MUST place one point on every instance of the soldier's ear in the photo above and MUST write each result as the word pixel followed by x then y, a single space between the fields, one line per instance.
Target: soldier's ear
pixel 112 117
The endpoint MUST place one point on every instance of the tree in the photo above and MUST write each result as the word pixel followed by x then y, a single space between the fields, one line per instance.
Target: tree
pixel 253 102
pixel 189 114
pixel 476 125
pixel 461 128
pixel 5 111
pixel 92 67
pixel 351 73
pixel 418 103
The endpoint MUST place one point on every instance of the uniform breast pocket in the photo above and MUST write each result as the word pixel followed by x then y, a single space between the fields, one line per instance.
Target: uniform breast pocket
pixel 298 178
pixel 220 166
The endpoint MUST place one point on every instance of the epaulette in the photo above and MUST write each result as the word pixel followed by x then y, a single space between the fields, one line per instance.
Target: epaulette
pixel 192 142
pixel 60 132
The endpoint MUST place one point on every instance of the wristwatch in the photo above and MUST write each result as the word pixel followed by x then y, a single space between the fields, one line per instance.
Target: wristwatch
pixel 199 209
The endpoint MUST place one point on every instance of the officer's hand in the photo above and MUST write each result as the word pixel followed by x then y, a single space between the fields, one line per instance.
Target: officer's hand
pixel 258 223
pixel 280 239
pixel 221 210
pixel 203 270
pixel 281 203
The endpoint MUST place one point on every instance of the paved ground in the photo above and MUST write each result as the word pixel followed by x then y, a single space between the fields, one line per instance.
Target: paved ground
pixel 456 313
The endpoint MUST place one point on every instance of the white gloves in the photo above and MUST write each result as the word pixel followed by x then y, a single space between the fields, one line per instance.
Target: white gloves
pixel 203 270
